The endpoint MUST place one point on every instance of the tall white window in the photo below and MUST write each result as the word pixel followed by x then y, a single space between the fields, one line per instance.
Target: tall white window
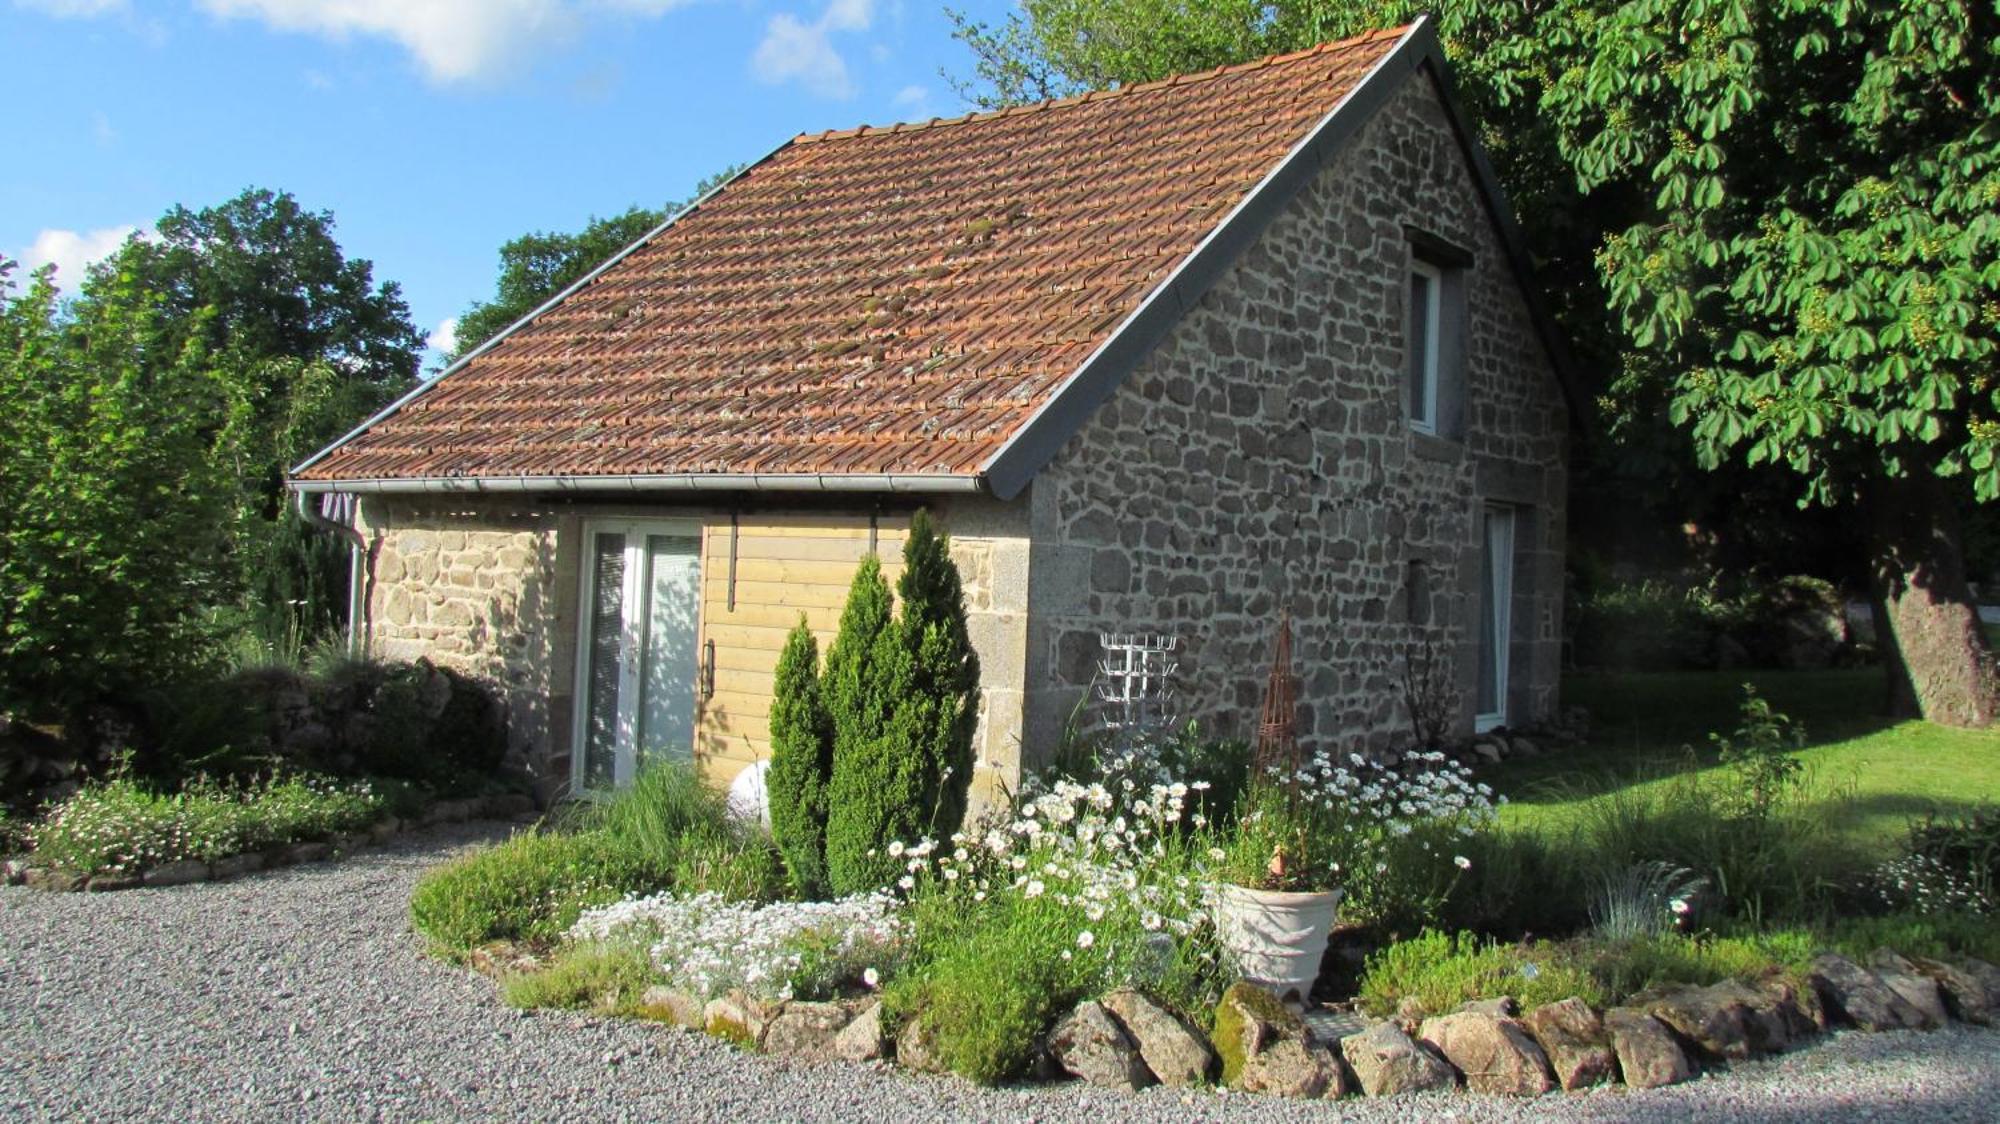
pixel 1496 622
pixel 1426 316
pixel 637 664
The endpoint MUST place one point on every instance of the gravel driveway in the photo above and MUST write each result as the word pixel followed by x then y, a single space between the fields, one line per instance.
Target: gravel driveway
pixel 301 994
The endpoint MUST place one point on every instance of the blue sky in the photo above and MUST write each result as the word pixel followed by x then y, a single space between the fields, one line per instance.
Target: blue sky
pixel 434 130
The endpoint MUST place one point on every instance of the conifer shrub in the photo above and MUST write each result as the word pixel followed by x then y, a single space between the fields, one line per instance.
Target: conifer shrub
pixel 933 718
pixel 902 695
pixel 801 764
pixel 858 690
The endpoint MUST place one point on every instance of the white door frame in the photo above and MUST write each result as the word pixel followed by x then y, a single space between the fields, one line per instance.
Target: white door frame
pixel 1497 595
pixel 631 642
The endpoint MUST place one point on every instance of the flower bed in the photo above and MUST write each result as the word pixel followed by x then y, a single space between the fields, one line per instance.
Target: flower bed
pixel 120 835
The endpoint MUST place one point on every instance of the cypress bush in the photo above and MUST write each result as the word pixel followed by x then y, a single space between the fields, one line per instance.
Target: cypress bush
pixel 902 694
pixel 801 763
pixel 933 719
pixel 858 691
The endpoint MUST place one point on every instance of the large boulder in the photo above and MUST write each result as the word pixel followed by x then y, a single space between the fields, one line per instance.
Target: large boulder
pixel 807 1030
pixel 1386 1061
pixel 1265 1047
pixel 916 1047
pixel 1090 1044
pixel 1713 1021
pixel 1912 984
pixel 1577 1045
pixel 178 873
pixel 1733 1020
pixel 1176 1053
pixel 1859 996
pixel 1965 996
pixel 1494 1053
pixel 672 1005
pixel 739 1017
pixel 1648 1054
pixel 863 1039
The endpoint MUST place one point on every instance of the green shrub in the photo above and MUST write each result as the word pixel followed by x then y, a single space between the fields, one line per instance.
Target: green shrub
pixel 989 992
pixel 801 763
pixel 609 978
pixel 903 697
pixel 1916 934
pixel 863 793
pixel 530 888
pixel 1440 972
pixel 123 827
pixel 931 721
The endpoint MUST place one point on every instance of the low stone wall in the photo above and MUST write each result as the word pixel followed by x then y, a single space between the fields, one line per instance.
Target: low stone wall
pixel 1127 1042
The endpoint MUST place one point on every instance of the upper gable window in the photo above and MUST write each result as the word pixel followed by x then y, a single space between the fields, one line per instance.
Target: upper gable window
pixel 1434 386
pixel 1426 345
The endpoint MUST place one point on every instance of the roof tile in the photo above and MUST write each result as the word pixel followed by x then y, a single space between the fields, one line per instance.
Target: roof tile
pixel 873 300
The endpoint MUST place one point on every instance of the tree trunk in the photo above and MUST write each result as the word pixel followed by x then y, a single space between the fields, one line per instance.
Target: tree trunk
pixel 1934 647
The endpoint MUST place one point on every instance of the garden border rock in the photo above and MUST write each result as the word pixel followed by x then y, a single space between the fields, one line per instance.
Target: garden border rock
pixel 516 806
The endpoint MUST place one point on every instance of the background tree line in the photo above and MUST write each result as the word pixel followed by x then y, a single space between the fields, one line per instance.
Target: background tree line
pixel 1773 225
pixel 1769 228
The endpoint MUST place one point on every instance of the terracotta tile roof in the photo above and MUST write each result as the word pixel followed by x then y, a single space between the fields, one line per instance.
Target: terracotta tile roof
pixel 871 301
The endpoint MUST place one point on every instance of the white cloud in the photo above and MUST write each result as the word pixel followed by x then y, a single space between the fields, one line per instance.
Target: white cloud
pixel 914 102
pixel 453 40
pixel 72 253
pixel 444 337
pixel 795 51
pixel 73 9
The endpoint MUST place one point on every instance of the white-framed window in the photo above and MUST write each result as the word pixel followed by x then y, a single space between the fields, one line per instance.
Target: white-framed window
pixel 638 666
pixel 1496 616
pixel 1426 319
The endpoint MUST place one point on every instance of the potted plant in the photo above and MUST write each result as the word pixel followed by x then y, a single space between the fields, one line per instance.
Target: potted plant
pixel 1280 887
pixel 1306 836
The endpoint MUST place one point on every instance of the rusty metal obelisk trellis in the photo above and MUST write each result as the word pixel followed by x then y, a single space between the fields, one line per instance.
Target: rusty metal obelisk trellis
pixel 1277 731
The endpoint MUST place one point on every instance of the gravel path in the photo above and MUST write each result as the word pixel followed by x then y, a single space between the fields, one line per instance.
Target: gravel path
pixel 301 995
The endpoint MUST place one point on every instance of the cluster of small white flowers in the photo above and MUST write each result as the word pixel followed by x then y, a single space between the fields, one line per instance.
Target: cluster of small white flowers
pixel 1089 848
pixel 119 828
pixel 1930 885
pixel 707 945
pixel 1372 805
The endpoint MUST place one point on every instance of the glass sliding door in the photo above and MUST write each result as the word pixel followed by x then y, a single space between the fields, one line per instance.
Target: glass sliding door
pixel 1496 573
pixel 637 660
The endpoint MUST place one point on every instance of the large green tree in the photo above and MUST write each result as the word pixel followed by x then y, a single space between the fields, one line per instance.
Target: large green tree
pixel 1817 282
pixel 1773 220
pixel 538 265
pixel 118 431
pixel 311 343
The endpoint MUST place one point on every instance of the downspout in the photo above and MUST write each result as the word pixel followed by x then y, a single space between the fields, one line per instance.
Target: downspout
pixel 359 627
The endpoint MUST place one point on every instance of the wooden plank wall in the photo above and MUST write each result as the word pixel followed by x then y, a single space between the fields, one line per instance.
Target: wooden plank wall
pixel 785 566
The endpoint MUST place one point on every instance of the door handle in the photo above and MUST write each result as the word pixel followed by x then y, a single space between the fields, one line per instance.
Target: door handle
pixel 707 670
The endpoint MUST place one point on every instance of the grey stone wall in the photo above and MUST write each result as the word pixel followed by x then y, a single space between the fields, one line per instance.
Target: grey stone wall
pixel 479 585
pixel 488 585
pixel 1260 458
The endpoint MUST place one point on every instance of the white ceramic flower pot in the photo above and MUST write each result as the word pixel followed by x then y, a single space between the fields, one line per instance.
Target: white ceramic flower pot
pixel 1277 937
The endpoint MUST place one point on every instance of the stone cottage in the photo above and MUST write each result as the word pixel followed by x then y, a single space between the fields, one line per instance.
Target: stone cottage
pixel 1167 358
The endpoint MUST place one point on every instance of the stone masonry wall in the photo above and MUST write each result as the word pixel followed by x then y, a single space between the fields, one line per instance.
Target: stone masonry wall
pixel 475 585
pixel 1260 458
pixel 489 585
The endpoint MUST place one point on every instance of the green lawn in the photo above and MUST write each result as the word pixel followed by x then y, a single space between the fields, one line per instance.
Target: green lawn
pixel 1642 727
